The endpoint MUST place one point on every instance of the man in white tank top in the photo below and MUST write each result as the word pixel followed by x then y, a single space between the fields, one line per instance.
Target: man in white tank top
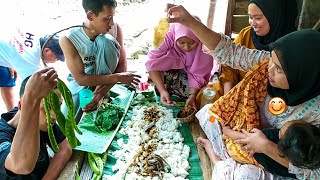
pixel 86 47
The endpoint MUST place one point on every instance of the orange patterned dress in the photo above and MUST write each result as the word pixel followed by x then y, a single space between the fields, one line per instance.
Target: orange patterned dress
pixel 239 108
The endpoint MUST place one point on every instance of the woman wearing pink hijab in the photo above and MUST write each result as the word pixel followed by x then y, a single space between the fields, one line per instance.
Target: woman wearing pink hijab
pixel 179 67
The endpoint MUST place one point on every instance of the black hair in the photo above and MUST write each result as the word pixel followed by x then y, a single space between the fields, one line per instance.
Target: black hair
pixel 96 5
pixel 23 86
pixel 301 145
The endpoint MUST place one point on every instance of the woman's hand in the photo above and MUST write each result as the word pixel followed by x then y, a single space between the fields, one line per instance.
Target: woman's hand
pixel 165 99
pixel 180 15
pixel 254 141
pixel 209 38
pixel 191 101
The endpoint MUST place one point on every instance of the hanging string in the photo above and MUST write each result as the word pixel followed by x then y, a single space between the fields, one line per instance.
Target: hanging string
pixel 50 37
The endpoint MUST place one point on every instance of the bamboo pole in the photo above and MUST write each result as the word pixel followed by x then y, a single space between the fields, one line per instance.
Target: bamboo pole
pixel 317 25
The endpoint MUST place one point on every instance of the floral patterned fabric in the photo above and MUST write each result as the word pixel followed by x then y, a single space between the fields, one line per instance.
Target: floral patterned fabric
pixel 234 75
pixel 176 83
pixel 238 57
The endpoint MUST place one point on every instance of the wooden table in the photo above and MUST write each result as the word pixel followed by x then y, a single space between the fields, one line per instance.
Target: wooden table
pixel 79 163
pixel 73 166
pixel 205 163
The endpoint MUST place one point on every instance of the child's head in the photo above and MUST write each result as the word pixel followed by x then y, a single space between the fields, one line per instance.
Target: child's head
pixel 300 144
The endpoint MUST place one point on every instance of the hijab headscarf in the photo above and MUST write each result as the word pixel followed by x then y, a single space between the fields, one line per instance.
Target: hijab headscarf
pixel 168 56
pixel 281 15
pixel 298 53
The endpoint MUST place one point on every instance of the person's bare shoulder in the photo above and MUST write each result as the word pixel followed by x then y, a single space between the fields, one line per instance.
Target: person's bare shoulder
pixel 68 47
pixel 65 42
pixel 119 34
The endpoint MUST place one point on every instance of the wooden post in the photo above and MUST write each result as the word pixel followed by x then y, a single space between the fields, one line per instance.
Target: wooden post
pixel 223 16
pixel 73 166
pixel 317 25
pixel 220 16
pixel 309 14
pixel 205 162
pixel 228 28
pixel 211 13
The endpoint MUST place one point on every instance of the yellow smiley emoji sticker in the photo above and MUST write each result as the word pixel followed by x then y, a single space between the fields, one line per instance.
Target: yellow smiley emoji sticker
pixel 277 106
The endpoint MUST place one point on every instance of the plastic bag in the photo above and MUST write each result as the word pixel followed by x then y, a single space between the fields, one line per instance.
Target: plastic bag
pixel 160 32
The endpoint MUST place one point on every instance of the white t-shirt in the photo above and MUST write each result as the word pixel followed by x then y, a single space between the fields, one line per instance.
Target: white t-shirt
pixel 21 51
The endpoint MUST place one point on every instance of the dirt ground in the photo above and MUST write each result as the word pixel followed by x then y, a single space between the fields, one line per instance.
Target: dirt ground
pixel 136 17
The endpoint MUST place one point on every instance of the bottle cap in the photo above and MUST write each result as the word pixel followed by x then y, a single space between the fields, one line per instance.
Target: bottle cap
pixel 210 85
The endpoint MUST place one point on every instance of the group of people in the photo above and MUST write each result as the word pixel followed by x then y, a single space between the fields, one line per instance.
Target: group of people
pixel 95 56
pixel 267 55
pixel 274 72
pixel 281 62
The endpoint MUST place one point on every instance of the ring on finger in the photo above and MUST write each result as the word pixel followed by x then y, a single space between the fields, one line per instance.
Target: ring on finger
pixel 245 148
